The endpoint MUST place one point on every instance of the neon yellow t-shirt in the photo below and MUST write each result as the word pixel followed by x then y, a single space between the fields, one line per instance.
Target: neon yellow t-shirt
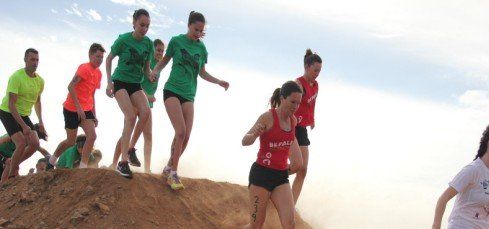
pixel 27 90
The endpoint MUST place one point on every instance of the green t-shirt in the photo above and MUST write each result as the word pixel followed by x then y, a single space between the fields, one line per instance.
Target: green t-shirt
pixel 27 89
pixel 68 158
pixel 189 57
pixel 7 149
pixel 150 87
pixel 133 55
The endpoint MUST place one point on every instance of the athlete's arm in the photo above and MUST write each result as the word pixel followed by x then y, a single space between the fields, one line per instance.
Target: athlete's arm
pixel 76 79
pixel 93 110
pixel 208 77
pixel 262 125
pixel 447 195
pixel 43 151
pixel 295 158
pixel 147 72
pixel 38 109
pixel 108 70
pixel 160 66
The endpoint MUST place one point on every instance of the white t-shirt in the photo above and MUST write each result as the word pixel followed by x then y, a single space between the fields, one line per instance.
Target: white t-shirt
pixel 471 209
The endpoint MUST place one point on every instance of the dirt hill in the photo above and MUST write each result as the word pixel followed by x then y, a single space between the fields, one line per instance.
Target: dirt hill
pixel 97 198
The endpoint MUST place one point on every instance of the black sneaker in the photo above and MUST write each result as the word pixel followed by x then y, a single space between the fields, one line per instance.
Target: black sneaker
pixel 123 169
pixel 133 159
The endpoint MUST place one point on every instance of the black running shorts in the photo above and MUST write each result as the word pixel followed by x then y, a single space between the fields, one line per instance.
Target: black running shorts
pixel 167 94
pixel 71 118
pixel 266 177
pixel 129 87
pixel 11 124
pixel 301 135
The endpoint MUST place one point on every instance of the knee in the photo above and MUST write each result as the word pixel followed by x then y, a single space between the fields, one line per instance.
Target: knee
pixel 144 114
pixel 289 223
pixel 92 137
pixel 70 140
pixel 21 143
pixel 33 142
pixel 180 135
pixel 130 118
pixel 302 172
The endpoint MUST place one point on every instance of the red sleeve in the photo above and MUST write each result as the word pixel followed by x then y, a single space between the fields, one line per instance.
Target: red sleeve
pixel 99 78
pixel 82 72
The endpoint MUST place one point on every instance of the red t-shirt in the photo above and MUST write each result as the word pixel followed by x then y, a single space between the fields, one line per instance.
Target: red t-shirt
pixel 305 112
pixel 89 81
pixel 275 145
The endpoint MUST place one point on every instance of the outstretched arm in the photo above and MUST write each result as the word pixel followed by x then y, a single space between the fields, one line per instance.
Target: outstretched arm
pixel 441 205
pixel 208 77
pixel 261 126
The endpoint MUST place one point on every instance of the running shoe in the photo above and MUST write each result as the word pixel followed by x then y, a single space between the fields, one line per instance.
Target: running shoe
pixel 133 159
pixel 124 170
pixel 174 182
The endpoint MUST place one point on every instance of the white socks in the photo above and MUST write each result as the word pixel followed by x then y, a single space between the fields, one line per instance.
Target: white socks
pixel 82 165
pixel 167 168
pixel 52 160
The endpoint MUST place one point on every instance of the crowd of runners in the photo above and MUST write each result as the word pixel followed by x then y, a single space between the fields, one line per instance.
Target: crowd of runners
pixel 282 130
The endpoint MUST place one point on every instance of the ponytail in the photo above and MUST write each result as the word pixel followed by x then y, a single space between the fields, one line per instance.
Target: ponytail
pixel 287 88
pixel 310 58
pixel 275 99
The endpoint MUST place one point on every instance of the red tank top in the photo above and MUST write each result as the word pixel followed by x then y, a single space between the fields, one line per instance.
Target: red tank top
pixel 275 145
pixel 305 112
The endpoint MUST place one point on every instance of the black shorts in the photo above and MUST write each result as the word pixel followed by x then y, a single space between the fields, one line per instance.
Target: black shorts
pixel 301 135
pixel 266 177
pixel 167 94
pixel 71 118
pixel 129 87
pixel 11 125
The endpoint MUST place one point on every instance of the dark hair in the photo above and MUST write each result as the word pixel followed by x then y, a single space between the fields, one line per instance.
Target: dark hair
pixel 311 58
pixel 195 17
pixel 42 160
pixel 483 144
pixel 95 47
pixel 139 13
pixel 30 50
pixel 42 136
pixel 287 88
pixel 80 140
pixel 157 42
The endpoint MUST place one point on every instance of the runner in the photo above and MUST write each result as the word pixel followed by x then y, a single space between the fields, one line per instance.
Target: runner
pixel 41 165
pixel 79 107
pixel 471 186
pixel 268 179
pixel 135 51
pixel 189 58
pixel 305 114
pixel 7 148
pixel 23 92
pixel 150 89
pixel 71 157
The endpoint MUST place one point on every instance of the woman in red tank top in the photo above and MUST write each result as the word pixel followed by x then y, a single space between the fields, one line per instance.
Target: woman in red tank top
pixel 268 179
pixel 305 114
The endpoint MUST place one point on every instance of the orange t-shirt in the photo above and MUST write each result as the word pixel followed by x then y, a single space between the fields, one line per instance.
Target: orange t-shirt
pixel 89 81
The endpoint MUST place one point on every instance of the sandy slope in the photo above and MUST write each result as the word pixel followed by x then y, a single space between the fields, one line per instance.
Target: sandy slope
pixel 96 198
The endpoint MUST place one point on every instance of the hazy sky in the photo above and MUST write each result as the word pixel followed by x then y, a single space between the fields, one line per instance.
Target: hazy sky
pixel 401 107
